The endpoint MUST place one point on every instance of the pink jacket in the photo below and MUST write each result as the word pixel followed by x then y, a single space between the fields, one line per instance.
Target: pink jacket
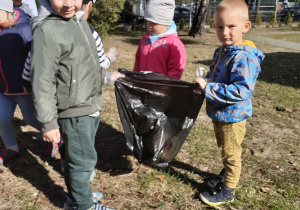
pixel 165 56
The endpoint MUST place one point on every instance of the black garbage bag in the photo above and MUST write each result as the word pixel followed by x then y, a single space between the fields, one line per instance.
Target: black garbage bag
pixel 157 113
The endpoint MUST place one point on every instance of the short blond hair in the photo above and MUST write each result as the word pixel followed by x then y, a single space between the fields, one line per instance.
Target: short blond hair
pixel 239 6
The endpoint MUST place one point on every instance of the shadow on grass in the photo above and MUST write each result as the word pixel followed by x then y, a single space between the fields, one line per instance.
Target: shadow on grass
pixel 191 42
pixel 280 68
pixel 112 151
pixel 205 62
pixel 126 33
pixel 27 167
pixel 110 145
pixel 201 187
pixel 133 41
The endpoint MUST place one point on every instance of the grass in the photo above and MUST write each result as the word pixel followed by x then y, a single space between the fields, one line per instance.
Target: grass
pixel 271 155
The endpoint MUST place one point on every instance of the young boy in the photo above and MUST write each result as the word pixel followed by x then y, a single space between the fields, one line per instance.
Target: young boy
pixel 233 74
pixel 105 60
pixel 160 50
pixel 66 81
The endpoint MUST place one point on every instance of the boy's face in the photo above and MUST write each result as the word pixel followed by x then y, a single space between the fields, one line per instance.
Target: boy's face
pixel 230 27
pixel 155 29
pixel 66 8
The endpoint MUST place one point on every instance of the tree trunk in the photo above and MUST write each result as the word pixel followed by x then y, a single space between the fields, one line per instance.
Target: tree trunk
pixel 199 18
pixel 257 6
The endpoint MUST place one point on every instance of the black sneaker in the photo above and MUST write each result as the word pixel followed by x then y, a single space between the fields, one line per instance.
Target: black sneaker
pixel 217 179
pixel 218 195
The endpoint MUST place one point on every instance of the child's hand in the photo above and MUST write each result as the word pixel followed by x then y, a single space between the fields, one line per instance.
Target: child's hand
pixel 111 77
pixel 201 83
pixel 112 54
pixel 52 136
pixel 114 76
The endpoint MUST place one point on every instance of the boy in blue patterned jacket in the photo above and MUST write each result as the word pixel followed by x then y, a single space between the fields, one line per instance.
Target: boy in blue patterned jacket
pixel 228 89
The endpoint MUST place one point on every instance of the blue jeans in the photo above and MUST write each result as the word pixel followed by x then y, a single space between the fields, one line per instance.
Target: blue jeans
pixel 7 108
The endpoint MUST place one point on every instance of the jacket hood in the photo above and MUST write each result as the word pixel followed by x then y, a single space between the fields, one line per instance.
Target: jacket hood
pixel 248 46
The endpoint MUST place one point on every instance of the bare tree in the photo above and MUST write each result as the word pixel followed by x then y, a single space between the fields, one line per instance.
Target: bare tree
pixel 199 18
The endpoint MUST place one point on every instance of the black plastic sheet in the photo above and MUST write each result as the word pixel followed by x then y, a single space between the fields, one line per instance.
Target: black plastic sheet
pixel 157 113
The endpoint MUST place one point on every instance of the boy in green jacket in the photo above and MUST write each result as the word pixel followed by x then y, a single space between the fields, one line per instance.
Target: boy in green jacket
pixel 66 81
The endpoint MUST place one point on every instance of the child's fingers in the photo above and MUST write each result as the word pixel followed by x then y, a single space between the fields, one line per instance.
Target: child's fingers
pixel 51 136
pixel 57 140
pixel 121 75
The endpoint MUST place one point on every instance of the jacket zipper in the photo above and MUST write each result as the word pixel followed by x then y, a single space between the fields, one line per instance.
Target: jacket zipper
pixel 98 85
pixel 86 40
pixel 219 57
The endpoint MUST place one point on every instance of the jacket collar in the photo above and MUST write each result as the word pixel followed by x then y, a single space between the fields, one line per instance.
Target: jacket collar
pixel 171 30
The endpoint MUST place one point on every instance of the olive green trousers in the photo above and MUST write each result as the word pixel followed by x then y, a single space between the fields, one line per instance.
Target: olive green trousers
pixel 79 134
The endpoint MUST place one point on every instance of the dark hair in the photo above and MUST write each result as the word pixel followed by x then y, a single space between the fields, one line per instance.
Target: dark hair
pixel 87 1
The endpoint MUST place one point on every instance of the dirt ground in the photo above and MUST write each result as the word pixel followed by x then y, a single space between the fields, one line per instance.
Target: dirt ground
pixel 271 159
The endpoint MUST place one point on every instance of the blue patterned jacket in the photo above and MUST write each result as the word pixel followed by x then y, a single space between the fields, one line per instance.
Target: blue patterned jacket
pixel 228 96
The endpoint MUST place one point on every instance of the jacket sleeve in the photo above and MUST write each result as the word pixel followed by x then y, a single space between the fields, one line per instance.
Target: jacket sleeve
pixel 103 59
pixel 244 72
pixel 177 59
pixel 44 66
pixel 137 59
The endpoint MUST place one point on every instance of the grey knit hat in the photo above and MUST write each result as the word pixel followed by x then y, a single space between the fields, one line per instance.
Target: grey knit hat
pixel 6 5
pixel 160 11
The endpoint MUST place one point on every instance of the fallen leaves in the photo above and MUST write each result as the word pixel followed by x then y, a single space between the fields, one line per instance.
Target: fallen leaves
pixel 160 177
pixel 265 190
pixel 140 191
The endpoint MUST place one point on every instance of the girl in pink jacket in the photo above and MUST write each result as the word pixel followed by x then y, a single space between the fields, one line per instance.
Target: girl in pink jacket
pixel 160 50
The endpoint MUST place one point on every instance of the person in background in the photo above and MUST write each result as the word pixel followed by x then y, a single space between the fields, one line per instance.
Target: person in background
pixel 15 41
pixel 160 50
pixel 29 7
pixel 66 80
pixel 32 5
pixel 228 89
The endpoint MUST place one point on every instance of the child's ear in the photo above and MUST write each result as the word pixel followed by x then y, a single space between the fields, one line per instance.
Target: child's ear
pixel 90 5
pixel 247 26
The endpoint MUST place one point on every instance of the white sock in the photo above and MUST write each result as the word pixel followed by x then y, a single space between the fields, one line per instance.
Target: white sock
pixel 14 148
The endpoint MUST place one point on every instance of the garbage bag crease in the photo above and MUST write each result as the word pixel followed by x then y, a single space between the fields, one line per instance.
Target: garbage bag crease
pixel 157 113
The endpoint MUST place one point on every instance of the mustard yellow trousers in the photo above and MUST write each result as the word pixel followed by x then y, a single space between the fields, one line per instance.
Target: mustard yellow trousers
pixel 229 139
